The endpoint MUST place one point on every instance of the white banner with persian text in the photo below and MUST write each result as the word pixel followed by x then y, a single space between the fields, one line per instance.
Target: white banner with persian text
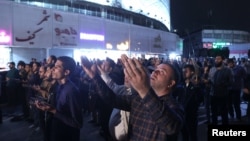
pixel 65 29
pixel 32 26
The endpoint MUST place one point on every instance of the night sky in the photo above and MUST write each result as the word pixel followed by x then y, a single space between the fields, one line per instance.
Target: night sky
pixel 191 15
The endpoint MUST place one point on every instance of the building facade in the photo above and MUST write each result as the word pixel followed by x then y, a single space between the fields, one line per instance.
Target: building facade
pixel 202 42
pixel 36 30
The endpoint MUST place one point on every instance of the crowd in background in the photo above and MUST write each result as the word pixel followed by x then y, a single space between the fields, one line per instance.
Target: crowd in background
pixel 220 84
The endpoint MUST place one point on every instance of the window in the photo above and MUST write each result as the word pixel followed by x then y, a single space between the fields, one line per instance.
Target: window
pixel 227 36
pixel 207 35
pixel 236 36
pixel 217 35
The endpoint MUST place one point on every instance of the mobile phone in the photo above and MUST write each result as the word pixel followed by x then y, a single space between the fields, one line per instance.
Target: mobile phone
pixel 40 100
pixel 85 62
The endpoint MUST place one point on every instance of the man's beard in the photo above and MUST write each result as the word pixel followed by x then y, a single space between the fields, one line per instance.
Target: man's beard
pixel 219 64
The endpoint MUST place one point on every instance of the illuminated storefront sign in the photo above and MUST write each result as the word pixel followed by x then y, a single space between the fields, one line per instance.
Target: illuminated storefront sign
pixel 4 38
pixel 210 45
pixel 95 37
pixel 109 46
pixel 123 46
pixel 220 44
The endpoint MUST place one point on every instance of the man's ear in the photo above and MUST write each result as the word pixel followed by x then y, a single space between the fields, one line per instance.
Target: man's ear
pixel 171 84
pixel 66 72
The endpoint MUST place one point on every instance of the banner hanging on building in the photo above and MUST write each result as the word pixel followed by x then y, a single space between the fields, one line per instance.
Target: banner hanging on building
pixel 65 29
pixel 31 26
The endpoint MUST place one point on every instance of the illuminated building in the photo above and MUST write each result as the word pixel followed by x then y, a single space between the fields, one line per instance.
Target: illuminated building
pixel 204 43
pixel 95 28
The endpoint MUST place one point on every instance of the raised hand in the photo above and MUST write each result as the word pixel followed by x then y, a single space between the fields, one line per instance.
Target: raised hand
pixel 136 75
pixel 89 68
pixel 100 69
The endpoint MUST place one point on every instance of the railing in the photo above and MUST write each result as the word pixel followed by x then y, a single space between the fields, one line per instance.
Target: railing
pixel 96 11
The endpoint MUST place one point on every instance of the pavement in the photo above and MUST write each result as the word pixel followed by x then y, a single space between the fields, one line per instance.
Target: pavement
pixel 20 131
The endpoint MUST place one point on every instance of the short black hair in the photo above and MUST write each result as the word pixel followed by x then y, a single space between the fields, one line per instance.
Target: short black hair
pixel 230 60
pixel 221 55
pixel 53 58
pixel 28 64
pixel 50 66
pixel 190 67
pixel 68 64
pixel 176 73
pixel 37 63
pixel 21 63
pixel 12 63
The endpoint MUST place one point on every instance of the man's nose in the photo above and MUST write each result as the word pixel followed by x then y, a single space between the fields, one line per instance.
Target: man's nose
pixel 156 72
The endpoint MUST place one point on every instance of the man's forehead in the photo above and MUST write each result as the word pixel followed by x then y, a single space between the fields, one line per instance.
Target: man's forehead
pixel 164 67
pixel 218 57
pixel 58 63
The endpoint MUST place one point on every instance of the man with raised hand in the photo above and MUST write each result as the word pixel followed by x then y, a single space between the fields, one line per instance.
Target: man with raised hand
pixel 154 113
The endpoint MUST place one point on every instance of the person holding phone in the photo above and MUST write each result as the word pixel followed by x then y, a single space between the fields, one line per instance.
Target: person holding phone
pixel 66 104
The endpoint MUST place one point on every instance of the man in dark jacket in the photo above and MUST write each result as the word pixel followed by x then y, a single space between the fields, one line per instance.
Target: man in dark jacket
pixel 66 109
pixel 221 78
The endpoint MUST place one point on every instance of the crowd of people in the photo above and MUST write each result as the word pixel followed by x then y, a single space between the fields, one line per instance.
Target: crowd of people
pixel 130 99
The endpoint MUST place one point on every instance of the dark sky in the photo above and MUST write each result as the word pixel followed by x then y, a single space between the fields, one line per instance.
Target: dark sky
pixel 191 15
